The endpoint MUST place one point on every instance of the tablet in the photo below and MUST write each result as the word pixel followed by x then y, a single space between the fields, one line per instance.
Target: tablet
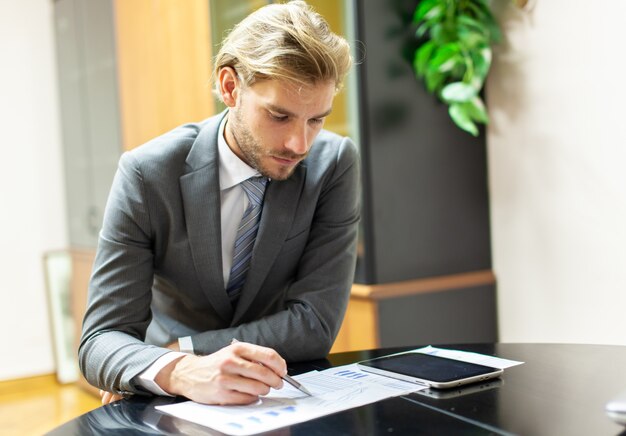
pixel 474 388
pixel 433 371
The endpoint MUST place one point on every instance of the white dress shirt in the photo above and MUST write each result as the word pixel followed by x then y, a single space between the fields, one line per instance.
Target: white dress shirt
pixel 233 201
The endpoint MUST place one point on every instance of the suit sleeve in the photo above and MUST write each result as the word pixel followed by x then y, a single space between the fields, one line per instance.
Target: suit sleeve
pixel 317 298
pixel 112 349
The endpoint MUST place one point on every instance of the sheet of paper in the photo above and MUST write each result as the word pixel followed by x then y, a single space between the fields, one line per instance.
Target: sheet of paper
pixel 466 356
pixel 334 389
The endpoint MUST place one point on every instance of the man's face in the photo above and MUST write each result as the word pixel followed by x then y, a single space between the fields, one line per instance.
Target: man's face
pixel 273 124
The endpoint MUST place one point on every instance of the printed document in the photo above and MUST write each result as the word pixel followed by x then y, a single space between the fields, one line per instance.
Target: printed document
pixel 333 389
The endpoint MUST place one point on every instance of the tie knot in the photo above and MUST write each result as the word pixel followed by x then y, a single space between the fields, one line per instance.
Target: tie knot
pixel 255 189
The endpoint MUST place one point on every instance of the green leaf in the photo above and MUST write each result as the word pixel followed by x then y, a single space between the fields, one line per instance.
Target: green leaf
pixel 476 110
pixel 470 39
pixel 435 13
pixel 443 54
pixel 471 24
pixel 422 56
pixel 462 119
pixel 458 92
pixel 477 10
pixel 459 70
pixel 424 8
pixel 452 64
pixel 482 3
pixel 422 29
pixel 469 74
pixel 483 14
pixel 482 63
pixel 437 33
pixel 434 80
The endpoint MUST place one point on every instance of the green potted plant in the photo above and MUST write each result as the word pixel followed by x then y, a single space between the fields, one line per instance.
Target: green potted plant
pixel 454 55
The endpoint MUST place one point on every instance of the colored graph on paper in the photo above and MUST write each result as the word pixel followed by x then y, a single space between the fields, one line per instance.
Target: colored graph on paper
pixel 333 390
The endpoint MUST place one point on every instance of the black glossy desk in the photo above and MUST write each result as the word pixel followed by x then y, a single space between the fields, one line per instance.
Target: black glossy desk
pixel 560 390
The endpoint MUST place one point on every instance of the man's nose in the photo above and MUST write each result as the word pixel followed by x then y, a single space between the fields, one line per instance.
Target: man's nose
pixel 297 142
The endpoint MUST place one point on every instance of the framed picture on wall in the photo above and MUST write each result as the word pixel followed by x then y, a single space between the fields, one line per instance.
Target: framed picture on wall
pixel 58 272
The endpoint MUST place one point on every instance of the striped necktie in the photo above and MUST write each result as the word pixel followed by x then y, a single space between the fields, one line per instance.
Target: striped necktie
pixel 246 235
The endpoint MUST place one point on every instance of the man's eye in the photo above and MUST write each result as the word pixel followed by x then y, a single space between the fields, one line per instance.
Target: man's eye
pixel 316 120
pixel 278 117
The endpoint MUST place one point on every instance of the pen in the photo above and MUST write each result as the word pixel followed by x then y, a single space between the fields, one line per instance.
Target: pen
pixel 293 382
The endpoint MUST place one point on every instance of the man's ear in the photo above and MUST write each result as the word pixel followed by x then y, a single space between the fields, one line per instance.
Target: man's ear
pixel 229 85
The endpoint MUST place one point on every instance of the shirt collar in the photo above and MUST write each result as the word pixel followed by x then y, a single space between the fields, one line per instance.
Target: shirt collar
pixel 233 170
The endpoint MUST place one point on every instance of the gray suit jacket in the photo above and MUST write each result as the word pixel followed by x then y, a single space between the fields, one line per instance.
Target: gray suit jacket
pixel 158 269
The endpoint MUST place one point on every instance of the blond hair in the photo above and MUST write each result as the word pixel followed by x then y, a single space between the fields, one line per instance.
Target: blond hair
pixel 288 42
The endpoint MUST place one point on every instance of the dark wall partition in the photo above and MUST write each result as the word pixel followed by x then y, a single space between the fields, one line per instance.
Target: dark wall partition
pixel 426 203
pixel 426 207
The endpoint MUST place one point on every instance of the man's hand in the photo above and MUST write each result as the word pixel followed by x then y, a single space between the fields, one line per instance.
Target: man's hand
pixel 236 374
pixel 173 346
pixel 108 397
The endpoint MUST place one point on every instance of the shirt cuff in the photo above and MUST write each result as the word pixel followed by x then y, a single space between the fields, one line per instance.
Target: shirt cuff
pixel 146 378
pixel 185 345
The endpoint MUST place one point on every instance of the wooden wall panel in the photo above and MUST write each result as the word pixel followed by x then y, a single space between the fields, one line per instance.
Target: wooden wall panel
pixel 334 12
pixel 359 330
pixel 164 66
pixel 362 326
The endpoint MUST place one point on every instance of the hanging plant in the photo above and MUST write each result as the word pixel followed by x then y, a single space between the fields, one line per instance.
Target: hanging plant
pixel 454 56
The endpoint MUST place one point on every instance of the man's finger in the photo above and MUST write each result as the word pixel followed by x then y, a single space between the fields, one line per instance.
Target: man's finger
pixel 263 355
pixel 108 397
pixel 235 397
pixel 253 370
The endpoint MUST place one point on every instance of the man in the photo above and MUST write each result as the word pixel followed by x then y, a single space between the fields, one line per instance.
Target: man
pixel 177 277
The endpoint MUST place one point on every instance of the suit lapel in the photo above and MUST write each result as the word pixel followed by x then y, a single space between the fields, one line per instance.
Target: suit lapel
pixel 201 202
pixel 279 208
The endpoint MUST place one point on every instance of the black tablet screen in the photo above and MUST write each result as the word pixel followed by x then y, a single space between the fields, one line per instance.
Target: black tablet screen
pixel 425 366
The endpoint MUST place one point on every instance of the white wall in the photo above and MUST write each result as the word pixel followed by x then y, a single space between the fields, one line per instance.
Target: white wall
pixel 32 216
pixel 557 168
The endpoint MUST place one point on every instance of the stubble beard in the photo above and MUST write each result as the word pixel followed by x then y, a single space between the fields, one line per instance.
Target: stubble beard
pixel 253 151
